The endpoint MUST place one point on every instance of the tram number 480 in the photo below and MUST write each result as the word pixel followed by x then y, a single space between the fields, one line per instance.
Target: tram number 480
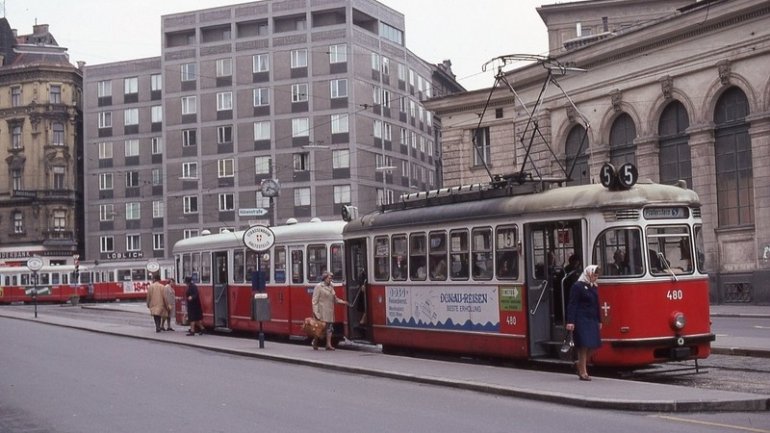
pixel 510 320
pixel 675 295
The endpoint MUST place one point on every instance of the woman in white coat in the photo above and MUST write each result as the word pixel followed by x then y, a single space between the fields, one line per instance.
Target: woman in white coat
pixel 324 299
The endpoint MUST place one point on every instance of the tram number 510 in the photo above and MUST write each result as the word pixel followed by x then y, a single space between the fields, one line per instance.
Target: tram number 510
pixel 675 295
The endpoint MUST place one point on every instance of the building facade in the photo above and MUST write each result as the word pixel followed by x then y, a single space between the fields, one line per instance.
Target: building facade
pixel 319 102
pixel 683 94
pixel 40 148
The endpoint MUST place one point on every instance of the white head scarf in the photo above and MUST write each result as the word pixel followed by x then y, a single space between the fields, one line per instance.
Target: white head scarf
pixel 590 269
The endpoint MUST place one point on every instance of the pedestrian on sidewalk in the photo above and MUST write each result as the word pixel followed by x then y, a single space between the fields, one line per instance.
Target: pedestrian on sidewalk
pixel 156 302
pixel 324 299
pixel 194 309
pixel 584 319
pixel 168 293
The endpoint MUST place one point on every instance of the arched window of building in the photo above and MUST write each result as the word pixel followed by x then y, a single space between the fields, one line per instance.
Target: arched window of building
pixel 674 159
pixel 576 151
pixel 622 135
pixel 732 152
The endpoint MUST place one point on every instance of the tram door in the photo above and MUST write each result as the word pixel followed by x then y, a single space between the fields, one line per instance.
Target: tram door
pixel 357 287
pixel 220 290
pixel 548 248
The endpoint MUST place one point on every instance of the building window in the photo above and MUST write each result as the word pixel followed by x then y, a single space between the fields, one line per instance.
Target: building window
pixel 156 83
pixel 156 114
pixel 105 181
pixel 385 66
pixel 189 137
pixel 262 130
pixel 622 136
pixel 339 88
pixel 339 123
pixel 131 86
pixel 16 142
pixel 480 146
pixel 375 62
pixel 107 244
pixel 260 63
pixel 58 134
pixel 132 147
pixel 262 201
pixel 190 104
pixel 262 164
pixel 401 72
pixel 299 92
pixel 106 212
pixel 189 170
pixel 133 243
pixel 300 127
pixel 338 53
pixel 189 72
pixel 16 179
pixel 105 119
pixel 133 211
pixel 54 94
pixel 261 97
pixel 132 179
pixel 301 161
pixel 341 194
pixel 226 167
pixel 674 157
pixel 103 89
pixel 156 145
pixel 575 152
pixel 105 150
pixel 226 202
pixel 16 96
pixel 341 158
pixel 377 128
pixel 157 177
pixel 224 134
pixel 157 241
pixel 302 197
pixel 224 67
pixel 224 101
pixel 131 116
pixel 58 178
pixel 299 58
pixel 732 152
pixel 158 209
pixel 190 204
pixel 18 222
pixel 59 220
pixel 391 33
pixel 190 233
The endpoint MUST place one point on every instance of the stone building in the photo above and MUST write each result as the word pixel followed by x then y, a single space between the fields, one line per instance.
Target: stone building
pixel 40 149
pixel 679 88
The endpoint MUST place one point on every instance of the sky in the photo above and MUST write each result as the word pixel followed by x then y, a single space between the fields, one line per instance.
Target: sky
pixel 467 32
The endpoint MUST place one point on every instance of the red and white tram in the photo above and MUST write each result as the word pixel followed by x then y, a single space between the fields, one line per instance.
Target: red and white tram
pixel 484 271
pixel 53 284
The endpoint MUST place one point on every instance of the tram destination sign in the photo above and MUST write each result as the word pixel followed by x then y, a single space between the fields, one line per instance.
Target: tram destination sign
pixel 659 213
pixel 258 238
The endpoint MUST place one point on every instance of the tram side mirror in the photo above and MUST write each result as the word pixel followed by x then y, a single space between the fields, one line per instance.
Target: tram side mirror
pixel 349 213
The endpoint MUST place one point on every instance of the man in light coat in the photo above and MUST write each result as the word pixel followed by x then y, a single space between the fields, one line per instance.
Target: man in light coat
pixel 156 302
pixel 168 315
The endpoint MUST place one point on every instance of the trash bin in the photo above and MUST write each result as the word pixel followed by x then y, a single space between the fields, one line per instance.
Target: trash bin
pixel 260 307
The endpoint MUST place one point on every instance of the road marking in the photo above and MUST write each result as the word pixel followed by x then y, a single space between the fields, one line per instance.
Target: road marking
pixel 711 424
pixel 761 327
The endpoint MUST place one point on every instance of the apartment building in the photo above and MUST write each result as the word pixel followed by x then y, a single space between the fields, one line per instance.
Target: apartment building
pixel 256 113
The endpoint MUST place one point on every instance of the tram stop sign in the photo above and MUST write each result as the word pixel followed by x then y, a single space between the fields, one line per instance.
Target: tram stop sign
pixel 258 238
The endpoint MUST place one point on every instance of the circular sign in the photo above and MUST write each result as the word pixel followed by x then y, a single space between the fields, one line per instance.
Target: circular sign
pixel 153 266
pixel 258 238
pixel 607 175
pixel 35 264
pixel 628 175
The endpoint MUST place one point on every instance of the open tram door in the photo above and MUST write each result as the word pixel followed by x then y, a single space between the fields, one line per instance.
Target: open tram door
pixel 549 275
pixel 221 319
pixel 357 290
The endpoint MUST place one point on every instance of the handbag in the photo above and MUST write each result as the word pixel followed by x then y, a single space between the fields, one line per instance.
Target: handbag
pixel 313 327
pixel 567 349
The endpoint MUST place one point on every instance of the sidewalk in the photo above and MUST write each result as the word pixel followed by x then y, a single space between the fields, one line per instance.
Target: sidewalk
pixel 560 388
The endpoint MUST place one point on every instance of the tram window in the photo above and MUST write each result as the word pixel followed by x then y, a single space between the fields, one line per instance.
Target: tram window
pixel 316 262
pixel 85 278
pixel 238 267
pixel 205 266
pixel 196 267
pixel 186 266
pixel 337 259
pixel 507 253
pixel 398 257
pixel 264 266
pixel 296 267
pixel 417 258
pixel 64 279
pixel 618 253
pixel 25 281
pixel 700 249
pixel 482 253
pixel 56 278
pixel 45 278
pixel 138 275
pixel 437 254
pixel 669 250
pixel 458 247
pixel 381 258
pixel 279 265
pixel 251 264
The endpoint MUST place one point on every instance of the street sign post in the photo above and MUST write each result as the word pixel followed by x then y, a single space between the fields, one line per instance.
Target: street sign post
pixel 257 211
pixel 35 264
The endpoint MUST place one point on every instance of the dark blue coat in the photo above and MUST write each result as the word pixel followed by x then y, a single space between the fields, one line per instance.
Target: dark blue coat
pixel 194 310
pixel 583 311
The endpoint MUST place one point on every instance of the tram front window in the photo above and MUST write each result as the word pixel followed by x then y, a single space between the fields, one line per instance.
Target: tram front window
pixel 670 250
pixel 618 253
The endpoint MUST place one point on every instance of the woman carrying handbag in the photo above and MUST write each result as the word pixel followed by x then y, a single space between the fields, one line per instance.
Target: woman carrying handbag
pixel 324 299
pixel 583 318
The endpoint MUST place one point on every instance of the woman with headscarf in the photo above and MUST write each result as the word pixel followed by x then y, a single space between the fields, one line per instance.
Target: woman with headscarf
pixel 583 318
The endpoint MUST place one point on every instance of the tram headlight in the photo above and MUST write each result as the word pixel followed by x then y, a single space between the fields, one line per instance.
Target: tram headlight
pixel 678 320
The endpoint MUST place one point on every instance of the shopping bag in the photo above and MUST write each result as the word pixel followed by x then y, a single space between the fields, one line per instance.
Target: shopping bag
pixel 314 328
pixel 567 350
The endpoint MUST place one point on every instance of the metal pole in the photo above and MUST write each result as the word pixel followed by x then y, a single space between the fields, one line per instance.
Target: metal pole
pixel 261 336
pixel 34 294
